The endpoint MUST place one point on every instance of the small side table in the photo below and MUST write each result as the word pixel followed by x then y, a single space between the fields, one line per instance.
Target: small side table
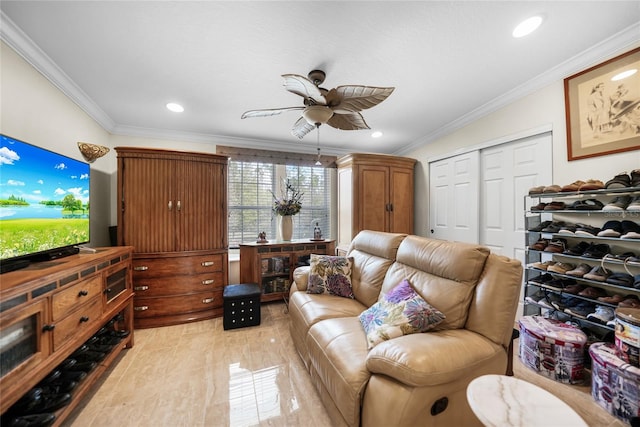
pixel 499 400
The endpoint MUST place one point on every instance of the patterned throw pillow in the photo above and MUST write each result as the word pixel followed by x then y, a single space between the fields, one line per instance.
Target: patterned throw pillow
pixel 400 312
pixel 331 275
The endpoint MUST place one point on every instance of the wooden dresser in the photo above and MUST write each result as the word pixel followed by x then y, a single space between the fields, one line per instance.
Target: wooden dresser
pixel 172 208
pixel 49 309
pixel 375 192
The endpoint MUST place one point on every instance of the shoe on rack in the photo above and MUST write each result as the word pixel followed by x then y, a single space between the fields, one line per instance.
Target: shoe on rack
pixel 574 186
pixel 555 206
pixel 568 229
pixel 574 289
pixel 578 249
pixel 597 251
pixel 579 271
pixel 561 267
pixel 565 301
pixel 592 292
pixel 539 207
pixel 586 205
pixel 597 273
pixel 587 230
pixel 611 299
pixel 559 284
pixel 622 180
pixel 602 314
pixel 540 226
pixel 618 204
pixel 591 184
pixel 551 189
pixel 554 227
pixel 581 309
pixel 536 190
pixel 556 246
pixel 612 228
pixel 635 178
pixel 630 301
pixel 620 279
pixel 540 245
pixel 548 300
pixel 634 206
pixel 542 265
pixel 630 230
pixel 541 279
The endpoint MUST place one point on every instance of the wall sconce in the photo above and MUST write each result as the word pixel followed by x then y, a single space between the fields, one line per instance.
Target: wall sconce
pixel 91 152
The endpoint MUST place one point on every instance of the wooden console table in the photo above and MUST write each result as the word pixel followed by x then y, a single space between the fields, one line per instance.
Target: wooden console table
pixel 271 264
pixel 49 309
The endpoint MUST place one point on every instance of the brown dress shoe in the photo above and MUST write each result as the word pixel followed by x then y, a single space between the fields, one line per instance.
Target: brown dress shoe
pixel 574 186
pixel 591 184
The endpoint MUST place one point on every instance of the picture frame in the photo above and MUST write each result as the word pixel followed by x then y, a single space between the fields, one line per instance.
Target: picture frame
pixel 602 109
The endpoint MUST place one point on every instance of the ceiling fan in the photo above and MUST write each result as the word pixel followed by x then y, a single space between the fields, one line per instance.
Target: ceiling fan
pixel 339 108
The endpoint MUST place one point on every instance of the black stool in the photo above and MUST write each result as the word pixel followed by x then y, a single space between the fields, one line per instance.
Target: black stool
pixel 241 306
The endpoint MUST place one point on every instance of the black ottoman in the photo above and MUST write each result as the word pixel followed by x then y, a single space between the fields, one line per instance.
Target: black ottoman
pixel 241 306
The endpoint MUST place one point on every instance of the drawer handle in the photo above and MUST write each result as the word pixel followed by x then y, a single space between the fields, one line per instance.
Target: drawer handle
pixel 84 319
pixel 141 308
pixel 47 328
pixel 207 300
pixel 140 288
pixel 208 282
pixel 140 268
pixel 83 293
pixel 207 263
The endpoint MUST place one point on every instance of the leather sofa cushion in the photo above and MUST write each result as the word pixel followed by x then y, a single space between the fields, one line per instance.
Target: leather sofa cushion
pixel 432 358
pixel 338 350
pixel 372 252
pixel 443 273
pixel 308 309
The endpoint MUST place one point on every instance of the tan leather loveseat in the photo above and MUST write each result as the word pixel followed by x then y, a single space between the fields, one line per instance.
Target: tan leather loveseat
pixel 418 379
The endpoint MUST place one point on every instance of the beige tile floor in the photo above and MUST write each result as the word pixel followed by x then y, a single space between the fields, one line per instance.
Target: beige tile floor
pixel 197 374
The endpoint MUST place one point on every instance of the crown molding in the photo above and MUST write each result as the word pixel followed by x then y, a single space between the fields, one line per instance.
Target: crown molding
pixel 202 138
pixel 617 44
pixel 13 36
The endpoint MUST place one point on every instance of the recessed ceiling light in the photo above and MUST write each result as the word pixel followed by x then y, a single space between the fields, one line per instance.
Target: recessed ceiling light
pixel 527 26
pixel 376 134
pixel 176 108
pixel 624 75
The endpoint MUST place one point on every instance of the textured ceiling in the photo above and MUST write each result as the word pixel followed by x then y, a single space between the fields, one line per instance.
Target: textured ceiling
pixel 450 61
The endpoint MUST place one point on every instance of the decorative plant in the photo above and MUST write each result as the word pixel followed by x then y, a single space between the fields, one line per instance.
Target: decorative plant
pixel 289 202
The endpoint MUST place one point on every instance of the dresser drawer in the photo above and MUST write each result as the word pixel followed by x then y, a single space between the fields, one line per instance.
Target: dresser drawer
pixel 166 306
pixel 163 267
pixel 178 285
pixel 81 320
pixel 67 300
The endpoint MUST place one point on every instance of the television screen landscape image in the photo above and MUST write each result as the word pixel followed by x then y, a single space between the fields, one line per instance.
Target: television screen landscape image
pixel 44 200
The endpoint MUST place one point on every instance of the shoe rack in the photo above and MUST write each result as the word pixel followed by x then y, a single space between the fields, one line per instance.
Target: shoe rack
pixel 544 290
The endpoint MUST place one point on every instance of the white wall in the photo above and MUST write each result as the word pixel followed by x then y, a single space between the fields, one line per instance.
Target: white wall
pixel 543 108
pixel 35 111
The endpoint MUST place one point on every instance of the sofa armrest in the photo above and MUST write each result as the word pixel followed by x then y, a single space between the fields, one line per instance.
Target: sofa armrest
pixel 301 277
pixel 432 358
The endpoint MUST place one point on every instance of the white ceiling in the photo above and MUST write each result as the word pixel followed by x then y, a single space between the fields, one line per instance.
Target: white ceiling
pixel 450 61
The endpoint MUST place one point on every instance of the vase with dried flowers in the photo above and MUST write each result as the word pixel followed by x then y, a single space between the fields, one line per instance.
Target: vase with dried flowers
pixel 286 206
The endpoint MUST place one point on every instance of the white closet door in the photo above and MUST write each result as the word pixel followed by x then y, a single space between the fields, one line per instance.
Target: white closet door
pixel 508 171
pixel 453 198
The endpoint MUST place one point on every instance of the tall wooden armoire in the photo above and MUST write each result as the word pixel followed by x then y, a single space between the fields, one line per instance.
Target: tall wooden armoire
pixel 375 192
pixel 172 208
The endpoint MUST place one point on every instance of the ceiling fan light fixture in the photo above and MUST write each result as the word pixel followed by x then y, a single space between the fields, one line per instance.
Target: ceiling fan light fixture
pixel 527 26
pixel 317 114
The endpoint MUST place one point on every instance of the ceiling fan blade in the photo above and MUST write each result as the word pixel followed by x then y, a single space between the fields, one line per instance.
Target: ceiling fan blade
pixel 268 112
pixel 301 128
pixel 358 98
pixel 350 121
pixel 305 88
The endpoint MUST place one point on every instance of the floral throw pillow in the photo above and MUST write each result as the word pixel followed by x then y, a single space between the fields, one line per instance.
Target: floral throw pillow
pixel 400 312
pixel 331 275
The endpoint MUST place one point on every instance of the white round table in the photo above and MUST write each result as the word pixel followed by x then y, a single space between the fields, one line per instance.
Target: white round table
pixel 498 400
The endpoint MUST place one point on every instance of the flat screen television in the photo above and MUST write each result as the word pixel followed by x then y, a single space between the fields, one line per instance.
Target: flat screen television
pixel 44 204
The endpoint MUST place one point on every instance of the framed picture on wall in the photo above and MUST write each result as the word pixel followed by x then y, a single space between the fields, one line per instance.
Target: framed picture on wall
pixel 602 107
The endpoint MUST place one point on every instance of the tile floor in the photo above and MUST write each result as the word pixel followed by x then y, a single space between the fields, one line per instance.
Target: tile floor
pixel 197 374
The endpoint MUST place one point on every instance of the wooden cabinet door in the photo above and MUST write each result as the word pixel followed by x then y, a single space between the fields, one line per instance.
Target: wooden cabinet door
pixel 148 205
pixel 401 199
pixel 373 196
pixel 200 199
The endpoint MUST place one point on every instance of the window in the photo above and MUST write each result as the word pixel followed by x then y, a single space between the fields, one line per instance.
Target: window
pixel 251 188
